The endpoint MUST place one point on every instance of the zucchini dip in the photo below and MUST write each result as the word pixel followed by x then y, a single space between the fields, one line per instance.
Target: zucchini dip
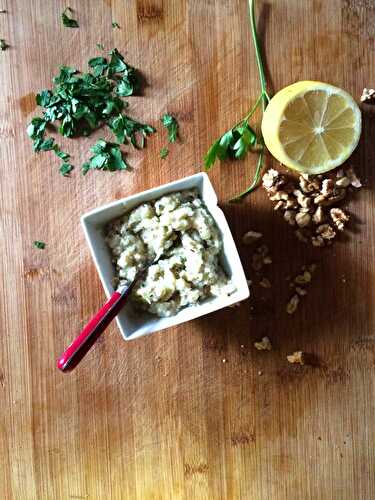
pixel 179 227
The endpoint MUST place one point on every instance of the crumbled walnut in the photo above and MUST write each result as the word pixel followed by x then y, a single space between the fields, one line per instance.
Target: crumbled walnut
pixel 301 291
pixel 290 217
pixel 309 206
pixel 265 283
pixel 339 218
pixel 302 199
pixel 354 181
pixel 292 305
pixel 260 257
pixel 327 187
pixel 319 216
pixel 280 196
pixel 251 237
pixel 343 182
pixel 326 231
pixel 302 279
pixel 270 178
pixel 280 205
pixel 296 358
pixel 303 219
pixel 291 204
pixel 367 95
pixel 263 345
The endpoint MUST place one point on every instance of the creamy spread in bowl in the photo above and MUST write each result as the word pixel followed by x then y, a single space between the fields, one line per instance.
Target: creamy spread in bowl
pixel 179 226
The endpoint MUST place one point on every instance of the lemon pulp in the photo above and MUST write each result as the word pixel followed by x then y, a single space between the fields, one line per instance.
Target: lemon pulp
pixel 311 127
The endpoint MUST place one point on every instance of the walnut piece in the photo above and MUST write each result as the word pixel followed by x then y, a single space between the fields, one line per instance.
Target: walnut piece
pixel 319 216
pixel 368 95
pixel 265 283
pixel 251 237
pixel 292 305
pixel 290 217
pixel 263 345
pixel 354 181
pixel 326 231
pixel 303 219
pixel 339 218
pixel 296 358
pixel 302 279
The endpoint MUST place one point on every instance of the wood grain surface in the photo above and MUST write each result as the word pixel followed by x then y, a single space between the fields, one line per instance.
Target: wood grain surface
pixel 164 417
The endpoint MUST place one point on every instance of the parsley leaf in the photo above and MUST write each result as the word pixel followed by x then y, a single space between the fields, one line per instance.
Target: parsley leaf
pixel 60 154
pixel 100 46
pixel 67 21
pixel 115 25
pixel 164 152
pixel 107 156
pixel 3 44
pixel 65 169
pixel 39 244
pixel 126 75
pixel 233 144
pixel 170 123
pixel 126 129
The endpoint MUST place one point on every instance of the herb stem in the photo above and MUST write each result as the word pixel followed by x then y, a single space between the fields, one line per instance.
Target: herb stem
pixel 253 109
pixel 254 184
pixel 258 56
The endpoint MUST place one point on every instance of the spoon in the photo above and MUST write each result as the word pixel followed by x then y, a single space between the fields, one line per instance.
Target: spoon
pixel 98 323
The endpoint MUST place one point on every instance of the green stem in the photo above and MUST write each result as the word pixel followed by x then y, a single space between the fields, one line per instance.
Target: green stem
pixel 264 98
pixel 258 55
pixel 254 184
pixel 253 109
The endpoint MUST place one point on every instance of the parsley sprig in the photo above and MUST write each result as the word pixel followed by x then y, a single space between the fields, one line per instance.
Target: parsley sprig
pixel 242 138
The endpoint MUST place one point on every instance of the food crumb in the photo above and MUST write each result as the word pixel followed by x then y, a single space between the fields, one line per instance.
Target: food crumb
pixel 251 237
pixel 224 360
pixel 296 358
pixel 263 345
pixel 260 372
pixel 292 305
pixel 265 283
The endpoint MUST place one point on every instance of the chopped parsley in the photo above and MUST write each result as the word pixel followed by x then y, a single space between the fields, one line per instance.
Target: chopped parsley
pixel 126 129
pixel 67 21
pixel 65 169
pixel 3 44
pixel 39 244
pixel 115 25
pixel 164 152
pixel 80 103
pixel 170 123
pixel 107 156
pixel 100 46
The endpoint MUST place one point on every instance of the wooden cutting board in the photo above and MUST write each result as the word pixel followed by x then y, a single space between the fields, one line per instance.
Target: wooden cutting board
pixel 194 412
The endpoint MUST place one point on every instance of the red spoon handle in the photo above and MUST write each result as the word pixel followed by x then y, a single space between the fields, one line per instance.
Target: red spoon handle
pixel 94 328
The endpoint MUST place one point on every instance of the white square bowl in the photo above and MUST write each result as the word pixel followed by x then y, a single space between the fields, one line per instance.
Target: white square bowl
pixel 133 324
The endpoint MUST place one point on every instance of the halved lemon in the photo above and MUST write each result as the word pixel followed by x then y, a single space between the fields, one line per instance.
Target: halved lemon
pixel 311 127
